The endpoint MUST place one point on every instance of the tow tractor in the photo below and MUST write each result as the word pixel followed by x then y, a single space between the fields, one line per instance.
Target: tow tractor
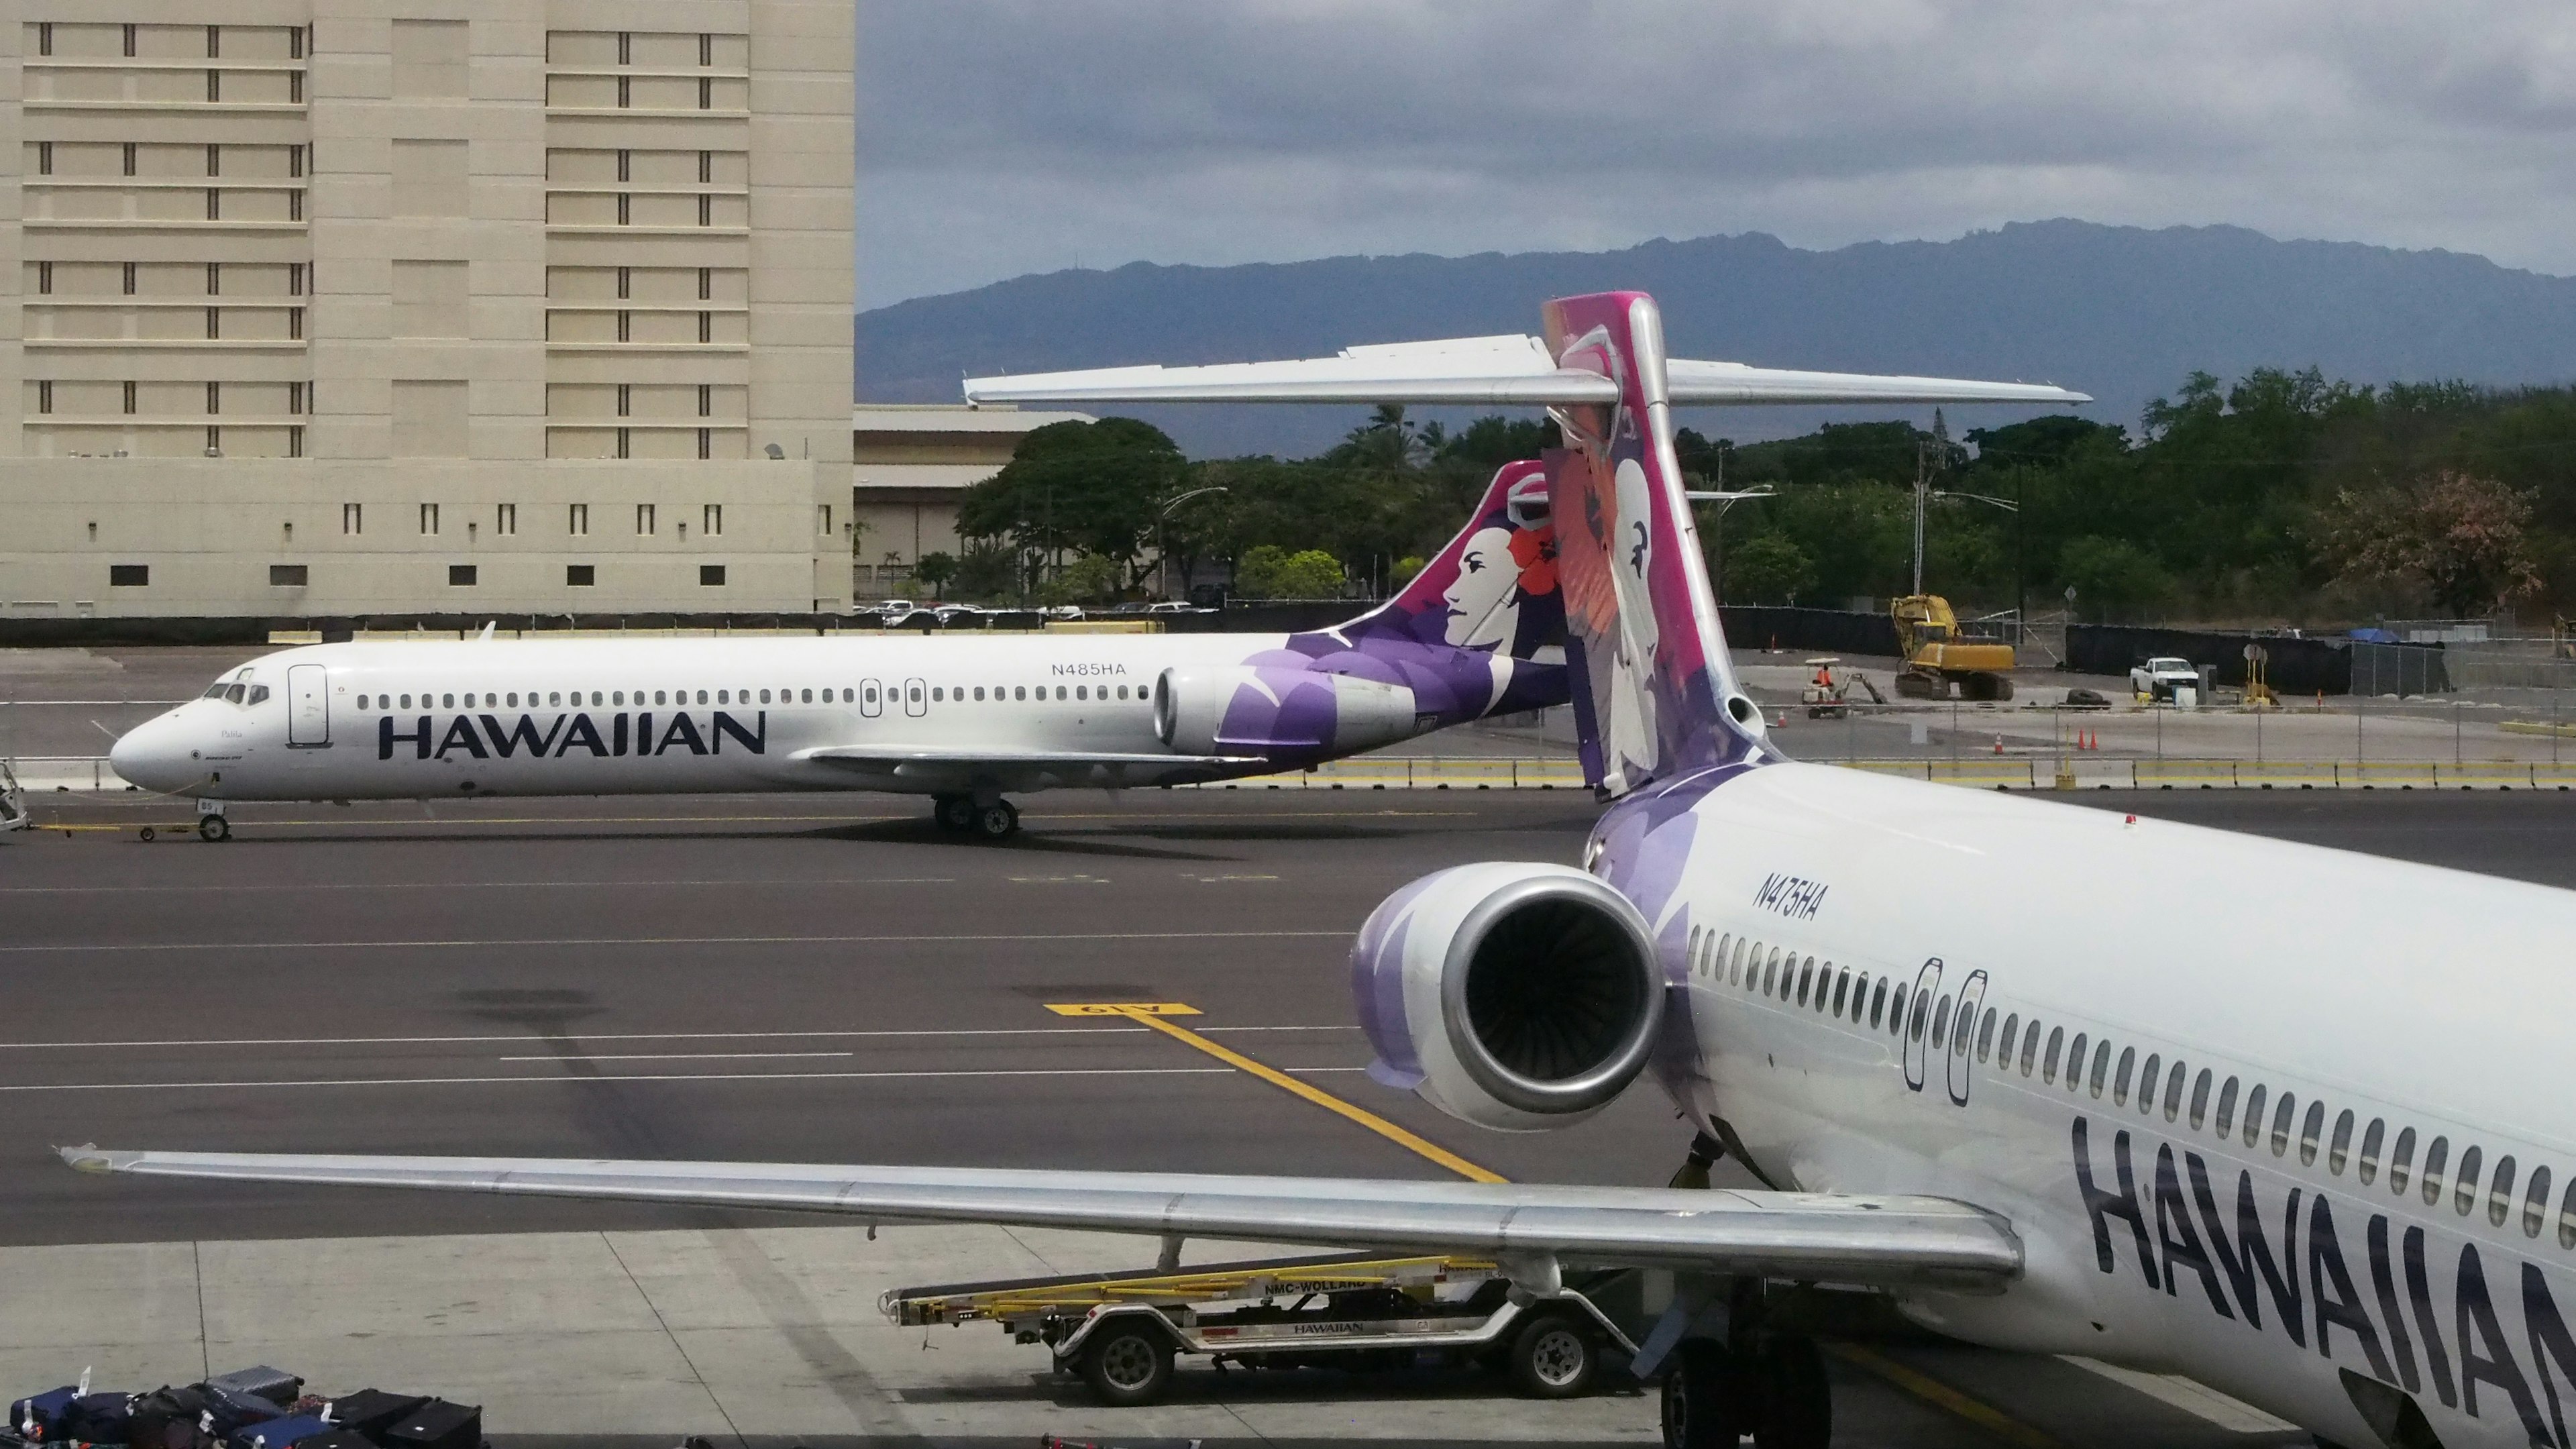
pixel 1120 1332
pixel 13 802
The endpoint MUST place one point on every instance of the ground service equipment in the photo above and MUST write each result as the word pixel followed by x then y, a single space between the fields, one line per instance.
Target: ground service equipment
pixel 1936 657
pixel 1120 1332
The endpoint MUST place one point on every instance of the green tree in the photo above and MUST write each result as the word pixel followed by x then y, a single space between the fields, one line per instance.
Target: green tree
pixel 936 569
pixel 988 572
pixel 1768 569
pixel 1090 488
pixel 1090 579
pixel 1270 572
pixel 2112 578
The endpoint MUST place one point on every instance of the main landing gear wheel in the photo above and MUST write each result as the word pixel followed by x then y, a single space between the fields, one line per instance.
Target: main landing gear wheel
pixel 1704 1406
pixel 213 827
pixel 1797 1401
pixel 1553 1357
pixel 953 812
pixel 997 821
pixel 1127 1364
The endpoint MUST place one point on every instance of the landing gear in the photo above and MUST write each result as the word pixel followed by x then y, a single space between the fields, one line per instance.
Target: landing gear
pixel 211 824
pixel 1554 1357
pixel 1773 1388
pixel 997 821
pixel 953 812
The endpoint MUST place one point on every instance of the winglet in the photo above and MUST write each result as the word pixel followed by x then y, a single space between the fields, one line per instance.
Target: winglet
pixel 89 1157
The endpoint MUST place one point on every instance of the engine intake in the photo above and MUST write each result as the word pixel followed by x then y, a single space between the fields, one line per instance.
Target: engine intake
pixel 1246 709
pixel 1511 995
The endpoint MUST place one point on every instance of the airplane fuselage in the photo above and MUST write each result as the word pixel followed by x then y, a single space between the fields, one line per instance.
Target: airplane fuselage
pixel 2218 1136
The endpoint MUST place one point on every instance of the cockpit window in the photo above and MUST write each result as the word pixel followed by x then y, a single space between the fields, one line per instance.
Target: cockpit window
pixel 216 689
pixel 258 694
pixel 236 692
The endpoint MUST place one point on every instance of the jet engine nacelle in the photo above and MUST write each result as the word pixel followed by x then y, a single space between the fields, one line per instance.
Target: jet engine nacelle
pixel 1508 994
pixel 1247 709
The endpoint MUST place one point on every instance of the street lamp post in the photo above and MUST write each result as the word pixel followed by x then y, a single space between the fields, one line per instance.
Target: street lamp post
pixel 1162 547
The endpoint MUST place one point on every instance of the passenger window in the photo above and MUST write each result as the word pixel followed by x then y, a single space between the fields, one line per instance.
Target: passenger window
pixel 2173 1092
pixel 2120 1083
pixel 2401 1161
pixel 2368 1170
pixel 1059 691
pixel 2436 1153
pixel 659 697
pixel 2147 1081
pixel 1922 1013
pixel 2200 1099
pixel 2048 1064
pixel 1842 991
pixel 2309 1132
pixel 2075 1063
pixel 807 696
pixel 2101 1067
pixel 2340 1150
pixel 1986 1036
pixel 2500 1192
pixel 2465 1196
pixel 450 701
pixel 764 696
pixel 1877 1002
pixel 2254 1114
pixel 2535 1203
pixel 2226 1122
pixel 702 696
pixel 1941 1026
pixel 2567 1216
pixel 2281 1116
pixel 1019 691
pixel 2004 1043
pixel 2030 1050
pixel 1735 963
pixel 1806 978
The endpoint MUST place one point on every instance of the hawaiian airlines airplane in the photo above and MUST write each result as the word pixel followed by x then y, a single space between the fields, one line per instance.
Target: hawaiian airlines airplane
pixel 2311 1157
pixel 962 718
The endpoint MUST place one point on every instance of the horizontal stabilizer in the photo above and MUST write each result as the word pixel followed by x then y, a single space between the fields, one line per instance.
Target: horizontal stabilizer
pixel 1482 371
pixel 1874 1240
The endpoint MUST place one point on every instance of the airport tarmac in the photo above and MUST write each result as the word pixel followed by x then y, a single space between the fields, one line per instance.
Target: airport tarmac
pixel 817 978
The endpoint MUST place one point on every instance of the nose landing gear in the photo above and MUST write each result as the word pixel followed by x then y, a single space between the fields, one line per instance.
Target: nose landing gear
pixel 211 825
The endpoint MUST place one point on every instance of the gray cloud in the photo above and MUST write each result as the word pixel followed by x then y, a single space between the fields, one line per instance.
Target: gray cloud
pixel 1005 136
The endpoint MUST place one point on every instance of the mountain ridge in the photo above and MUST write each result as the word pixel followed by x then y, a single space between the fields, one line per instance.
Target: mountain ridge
pixel 2125 313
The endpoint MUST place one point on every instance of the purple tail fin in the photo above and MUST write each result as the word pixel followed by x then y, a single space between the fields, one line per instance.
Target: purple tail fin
pixel 1654 691
pixel 1493 586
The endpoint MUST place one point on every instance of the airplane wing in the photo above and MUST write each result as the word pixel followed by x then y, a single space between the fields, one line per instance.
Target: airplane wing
pixel 1482 371
pixel 1919 1241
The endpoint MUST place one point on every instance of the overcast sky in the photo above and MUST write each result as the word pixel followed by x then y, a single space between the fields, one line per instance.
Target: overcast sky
pixel 998 137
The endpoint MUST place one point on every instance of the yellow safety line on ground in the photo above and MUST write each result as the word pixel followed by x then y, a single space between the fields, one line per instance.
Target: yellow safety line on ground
pixel 1152 1014
pixel 1940 1395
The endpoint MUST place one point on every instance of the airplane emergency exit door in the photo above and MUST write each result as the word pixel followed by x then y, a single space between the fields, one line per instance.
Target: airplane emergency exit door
pixel 308 707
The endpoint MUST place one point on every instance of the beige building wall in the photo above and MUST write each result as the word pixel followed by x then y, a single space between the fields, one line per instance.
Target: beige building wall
pixel 466 252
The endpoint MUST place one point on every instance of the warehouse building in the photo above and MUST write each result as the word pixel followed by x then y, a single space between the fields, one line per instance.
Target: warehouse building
pixel 329 307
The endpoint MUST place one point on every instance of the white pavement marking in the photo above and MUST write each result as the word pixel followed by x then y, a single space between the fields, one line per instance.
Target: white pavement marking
pixel 681 1057
pixel 553 1079
pixel 161 946
pixel 159 889
pixel 29 1046
pixel 2189 1395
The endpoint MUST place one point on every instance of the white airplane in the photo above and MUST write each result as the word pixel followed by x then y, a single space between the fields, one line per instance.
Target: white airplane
pixel 962 718
pixel 2313 1156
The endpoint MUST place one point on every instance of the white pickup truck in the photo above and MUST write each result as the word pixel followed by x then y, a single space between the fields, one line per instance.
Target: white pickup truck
pixel 2157 678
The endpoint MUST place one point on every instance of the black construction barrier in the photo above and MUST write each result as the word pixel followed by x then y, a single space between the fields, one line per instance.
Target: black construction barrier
pixel 1814 631
pixel 2293 666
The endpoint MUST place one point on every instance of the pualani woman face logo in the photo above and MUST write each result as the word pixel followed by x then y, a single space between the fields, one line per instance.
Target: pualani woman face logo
pixel 1505 564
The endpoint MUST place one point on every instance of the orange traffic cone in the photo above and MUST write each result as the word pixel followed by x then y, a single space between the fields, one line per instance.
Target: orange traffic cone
pixel 1999 744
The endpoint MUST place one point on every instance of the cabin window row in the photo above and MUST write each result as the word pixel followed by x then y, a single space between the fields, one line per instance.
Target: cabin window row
pixel 557 698
pixel 2175 1089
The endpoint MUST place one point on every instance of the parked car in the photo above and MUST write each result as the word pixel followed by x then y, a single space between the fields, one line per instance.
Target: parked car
pixel 2157 678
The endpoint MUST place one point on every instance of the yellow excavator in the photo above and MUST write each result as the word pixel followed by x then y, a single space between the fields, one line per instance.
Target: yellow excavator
pixel 1935 658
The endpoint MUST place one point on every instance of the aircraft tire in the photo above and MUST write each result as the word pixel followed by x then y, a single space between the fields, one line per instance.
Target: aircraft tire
pixel 997 821
pixel 1797 1400
pixel 1128 1364
pixel 1701 1407
pixel 953 812
pixel 214 827
pixel 1554 1357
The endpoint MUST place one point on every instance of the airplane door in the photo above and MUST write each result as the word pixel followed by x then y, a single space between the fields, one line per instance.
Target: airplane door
pixel 870 701
pixel 1918 1020
pixel 308 707
pixel 1972 999
pixel 916 698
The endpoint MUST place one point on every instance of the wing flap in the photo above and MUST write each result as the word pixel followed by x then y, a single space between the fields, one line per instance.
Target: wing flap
pixel 897 755
pixel 1877 1240
pixel 1483 371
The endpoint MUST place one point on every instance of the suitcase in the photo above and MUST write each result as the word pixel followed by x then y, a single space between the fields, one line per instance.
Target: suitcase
pixel 275 1385
pixel 370 1412
pixel 436 1424
pixel 168 1418
pixel 234 1409
pixel 35 1416
pixel 342 1437
pixel 99 1418
pixel 281 1433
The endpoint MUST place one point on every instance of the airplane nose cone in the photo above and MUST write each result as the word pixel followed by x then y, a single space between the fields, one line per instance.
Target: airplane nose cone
pixel 152 755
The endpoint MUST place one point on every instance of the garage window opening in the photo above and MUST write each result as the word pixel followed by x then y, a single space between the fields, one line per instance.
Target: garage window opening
pixel 129 576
